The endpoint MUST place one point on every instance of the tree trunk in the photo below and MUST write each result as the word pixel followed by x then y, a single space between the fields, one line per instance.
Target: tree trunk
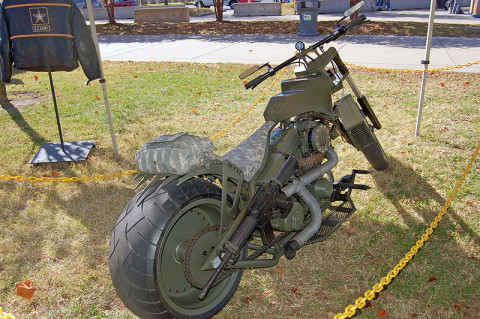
pixel 355 14
pixel 110 12
pixel 218 4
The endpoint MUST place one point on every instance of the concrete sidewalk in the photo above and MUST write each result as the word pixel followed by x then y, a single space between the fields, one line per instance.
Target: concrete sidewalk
pixel 392 52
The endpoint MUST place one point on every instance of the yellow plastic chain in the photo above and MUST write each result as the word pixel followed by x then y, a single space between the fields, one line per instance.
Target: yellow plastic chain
pixel 4 315
pixel 378 287
pixel 66 179
pixel 250 109
pixel 415 71
pixel 99 177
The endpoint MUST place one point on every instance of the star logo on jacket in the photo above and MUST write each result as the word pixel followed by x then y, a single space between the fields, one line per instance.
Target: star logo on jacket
pixel 39 19
pixel 39 16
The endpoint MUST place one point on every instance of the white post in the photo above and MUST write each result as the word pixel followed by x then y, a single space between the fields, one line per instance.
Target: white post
pixel 425 63
pixel 102 79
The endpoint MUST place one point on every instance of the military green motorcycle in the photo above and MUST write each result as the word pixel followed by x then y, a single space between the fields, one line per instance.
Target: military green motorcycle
pixel 180 246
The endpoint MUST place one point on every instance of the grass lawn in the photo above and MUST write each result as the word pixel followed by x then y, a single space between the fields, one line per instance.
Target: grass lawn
pixel 57 234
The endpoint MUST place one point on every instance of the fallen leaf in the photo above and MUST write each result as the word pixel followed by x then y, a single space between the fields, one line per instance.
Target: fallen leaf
pixel 194 112
pixel 351 230
pixel 280 271
pixel 199 93
pixel 150 69
pixel 432 279
pixel 369 255
pixel 442 84
pixel 294 290
pixel 35 77
pixel 133 135
pixel 248 299
pixel 96 96
pixel 135 76
pixel 456 306
pixel 55 174
pixel 382 313
pixel 96 112
pixel 469 203
pixel 44 106
pixel 25 289
pixel 46 175
pixel 466 83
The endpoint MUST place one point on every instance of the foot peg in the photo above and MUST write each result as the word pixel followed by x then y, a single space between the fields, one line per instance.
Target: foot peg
pixel 343 188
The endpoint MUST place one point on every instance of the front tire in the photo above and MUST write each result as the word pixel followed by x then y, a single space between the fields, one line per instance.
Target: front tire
pixel 376 155
pixel 148 247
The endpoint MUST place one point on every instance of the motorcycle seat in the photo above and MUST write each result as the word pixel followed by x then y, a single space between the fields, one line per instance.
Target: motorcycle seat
pixel 248 155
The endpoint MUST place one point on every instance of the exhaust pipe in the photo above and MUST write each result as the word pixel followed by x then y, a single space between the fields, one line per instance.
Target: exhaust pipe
pixel 298 187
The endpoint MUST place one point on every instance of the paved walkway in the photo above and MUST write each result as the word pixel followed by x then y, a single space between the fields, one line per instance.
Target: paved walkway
pixel 395 52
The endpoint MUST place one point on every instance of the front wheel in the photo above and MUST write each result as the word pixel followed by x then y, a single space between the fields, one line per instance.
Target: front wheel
pixel 158 246
pixel 376 155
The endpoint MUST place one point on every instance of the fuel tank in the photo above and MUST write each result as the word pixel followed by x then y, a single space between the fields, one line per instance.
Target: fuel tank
pixel 301 95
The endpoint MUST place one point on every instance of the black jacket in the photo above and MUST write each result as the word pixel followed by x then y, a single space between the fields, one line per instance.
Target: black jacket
pixel 43 35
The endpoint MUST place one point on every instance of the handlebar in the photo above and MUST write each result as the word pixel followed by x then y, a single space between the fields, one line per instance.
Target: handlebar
pixel 340 31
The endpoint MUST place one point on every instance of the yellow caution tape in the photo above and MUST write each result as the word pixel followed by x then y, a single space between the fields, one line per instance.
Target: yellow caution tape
pixel 378 287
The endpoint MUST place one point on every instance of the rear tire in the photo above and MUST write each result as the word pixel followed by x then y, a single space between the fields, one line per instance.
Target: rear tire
pixel 148 244
pixel 376 155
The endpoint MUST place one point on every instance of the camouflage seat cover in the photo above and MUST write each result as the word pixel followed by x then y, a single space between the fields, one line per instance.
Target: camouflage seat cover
pixel 180 153
pixel 248 155
pixel 174 154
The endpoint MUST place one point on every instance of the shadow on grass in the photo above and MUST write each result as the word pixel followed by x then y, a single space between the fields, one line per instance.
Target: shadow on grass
pixel 404 184
pixel 18 118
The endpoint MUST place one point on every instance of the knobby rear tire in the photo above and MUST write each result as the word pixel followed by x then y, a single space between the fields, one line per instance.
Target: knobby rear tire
pixel 141 248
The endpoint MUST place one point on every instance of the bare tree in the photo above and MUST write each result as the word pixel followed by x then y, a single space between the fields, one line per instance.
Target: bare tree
pixel 110 11
pixel 218 4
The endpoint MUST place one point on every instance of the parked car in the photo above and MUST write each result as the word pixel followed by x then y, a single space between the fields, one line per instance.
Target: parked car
pixel 208 3
pixel 125 3
pixel 82 4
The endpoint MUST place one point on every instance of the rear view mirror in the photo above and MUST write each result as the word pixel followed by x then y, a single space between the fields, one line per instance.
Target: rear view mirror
pixel 356 7
pixel 250 71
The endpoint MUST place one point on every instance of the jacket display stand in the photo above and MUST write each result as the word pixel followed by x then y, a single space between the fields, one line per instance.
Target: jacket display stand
pixel 63 151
